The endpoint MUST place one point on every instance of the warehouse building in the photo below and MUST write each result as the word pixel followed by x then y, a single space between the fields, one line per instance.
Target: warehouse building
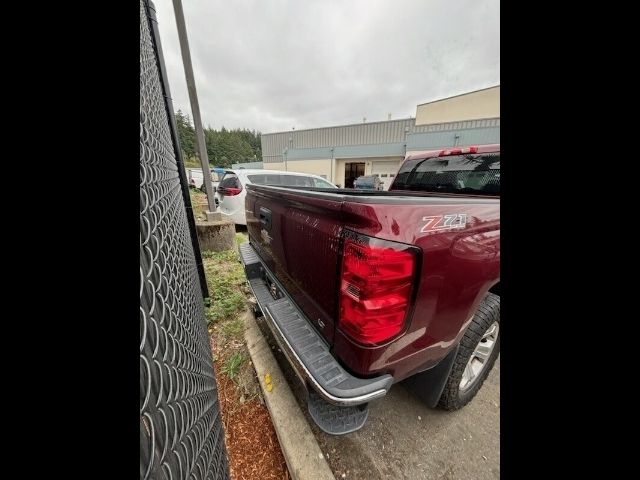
pixel 247 165
pixel 343 153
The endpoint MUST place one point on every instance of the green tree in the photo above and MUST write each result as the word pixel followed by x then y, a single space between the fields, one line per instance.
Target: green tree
pixel 186 135
pixel 224 146
pixel 252 138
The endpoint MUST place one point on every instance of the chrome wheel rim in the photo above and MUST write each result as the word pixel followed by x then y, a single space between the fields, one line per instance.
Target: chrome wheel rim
pixel 480 356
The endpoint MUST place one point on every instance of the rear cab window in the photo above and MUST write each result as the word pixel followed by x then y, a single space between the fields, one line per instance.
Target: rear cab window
pixel 473 174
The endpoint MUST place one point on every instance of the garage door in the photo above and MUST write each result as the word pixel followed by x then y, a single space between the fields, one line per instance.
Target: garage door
pixel 386 171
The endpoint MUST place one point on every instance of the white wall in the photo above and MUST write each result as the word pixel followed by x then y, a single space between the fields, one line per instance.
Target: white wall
pixel 386 168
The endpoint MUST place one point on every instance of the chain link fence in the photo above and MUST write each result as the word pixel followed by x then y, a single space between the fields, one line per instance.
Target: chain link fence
pixel 181 433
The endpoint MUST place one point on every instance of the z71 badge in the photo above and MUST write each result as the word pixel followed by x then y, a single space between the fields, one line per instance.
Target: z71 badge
pixel 438 223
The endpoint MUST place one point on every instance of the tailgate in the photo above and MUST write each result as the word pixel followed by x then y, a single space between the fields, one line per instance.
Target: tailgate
pixel 298 238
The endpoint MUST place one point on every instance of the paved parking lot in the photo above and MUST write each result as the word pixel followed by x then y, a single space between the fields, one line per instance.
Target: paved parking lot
pixel 404 439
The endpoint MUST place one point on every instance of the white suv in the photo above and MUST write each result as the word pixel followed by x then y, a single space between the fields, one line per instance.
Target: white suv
pixel 231 191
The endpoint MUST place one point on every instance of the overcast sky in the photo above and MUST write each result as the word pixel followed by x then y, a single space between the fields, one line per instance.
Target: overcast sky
pixel 271 65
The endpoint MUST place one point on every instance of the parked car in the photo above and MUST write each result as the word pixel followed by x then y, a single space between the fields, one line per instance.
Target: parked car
pixel 363 290
pixel 368 182
pixel 196 178
pixel 231 192
pixel 215 181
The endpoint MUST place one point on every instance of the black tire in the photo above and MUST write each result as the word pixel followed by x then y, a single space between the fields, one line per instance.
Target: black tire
pixel 452 397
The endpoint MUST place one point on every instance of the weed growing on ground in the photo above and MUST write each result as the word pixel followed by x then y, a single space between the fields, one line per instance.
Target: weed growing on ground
pixel 232 366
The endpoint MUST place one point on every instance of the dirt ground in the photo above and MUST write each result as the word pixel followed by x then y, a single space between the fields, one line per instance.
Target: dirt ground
pixel 404 439
pixel 251 440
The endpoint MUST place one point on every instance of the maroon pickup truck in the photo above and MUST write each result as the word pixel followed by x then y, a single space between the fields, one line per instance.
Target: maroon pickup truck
pixel 363 289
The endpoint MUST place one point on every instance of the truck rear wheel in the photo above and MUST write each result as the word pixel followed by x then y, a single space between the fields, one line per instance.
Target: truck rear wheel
pixel 478 351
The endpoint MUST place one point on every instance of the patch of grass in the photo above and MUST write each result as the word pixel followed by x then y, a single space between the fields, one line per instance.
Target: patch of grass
pixel 233 328
pixel 225 278
pixel 232 366
pixel 197 199
pixel 192 162
pixel 225 256
pixel 241 238
pixel 197 194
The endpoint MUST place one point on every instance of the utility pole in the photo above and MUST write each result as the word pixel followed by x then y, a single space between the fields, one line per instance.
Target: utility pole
pixel 212 214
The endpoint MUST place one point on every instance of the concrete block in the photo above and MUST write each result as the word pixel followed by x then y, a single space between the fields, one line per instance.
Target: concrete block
pixel 216 236
pixel 213 216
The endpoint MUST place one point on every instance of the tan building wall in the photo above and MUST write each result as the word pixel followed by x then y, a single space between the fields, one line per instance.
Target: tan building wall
pixel 274 166
pixel 469 106
pixel 315 167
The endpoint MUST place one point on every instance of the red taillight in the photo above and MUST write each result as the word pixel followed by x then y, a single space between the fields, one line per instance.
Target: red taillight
pixel 375 288
pixel 229 191
pixel 458 151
